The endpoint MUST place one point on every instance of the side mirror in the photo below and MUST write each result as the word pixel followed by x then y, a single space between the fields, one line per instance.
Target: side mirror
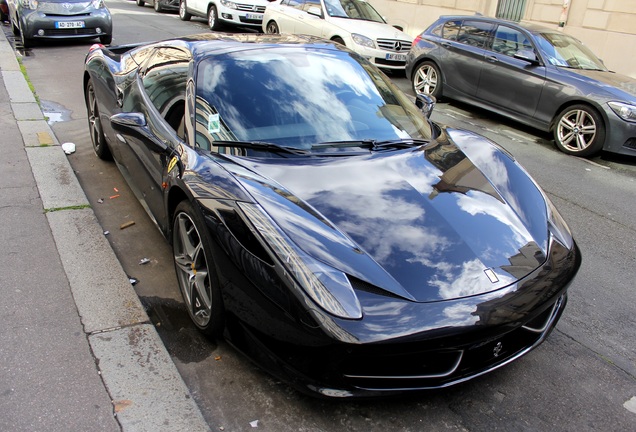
pixel 315 10
pixel 129 120
pixel 425 103
pixel 527 55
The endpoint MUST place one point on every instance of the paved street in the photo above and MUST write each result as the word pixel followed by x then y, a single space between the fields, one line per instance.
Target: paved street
pixel 582 378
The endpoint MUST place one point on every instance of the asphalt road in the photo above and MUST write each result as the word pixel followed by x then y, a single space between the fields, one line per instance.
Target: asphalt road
pixel 582 378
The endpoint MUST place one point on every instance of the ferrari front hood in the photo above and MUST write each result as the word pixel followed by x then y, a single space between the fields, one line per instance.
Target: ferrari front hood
pixel 432 223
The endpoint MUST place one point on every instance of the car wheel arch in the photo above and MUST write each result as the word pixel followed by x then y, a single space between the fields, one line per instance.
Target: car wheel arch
pixel 175 196
pixel 570 103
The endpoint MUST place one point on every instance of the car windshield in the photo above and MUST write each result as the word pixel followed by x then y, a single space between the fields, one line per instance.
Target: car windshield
pixel 564 50
pixel 299 98
pixel 354 9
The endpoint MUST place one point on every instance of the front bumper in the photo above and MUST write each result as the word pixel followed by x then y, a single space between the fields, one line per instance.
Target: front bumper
pixel 39 25
pixel 402 346
pixel 381 58
pixel 620 135
pixel 246 15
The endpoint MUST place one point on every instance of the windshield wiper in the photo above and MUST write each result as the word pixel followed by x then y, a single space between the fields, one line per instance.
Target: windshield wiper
pixel 260 145
pixel 373 144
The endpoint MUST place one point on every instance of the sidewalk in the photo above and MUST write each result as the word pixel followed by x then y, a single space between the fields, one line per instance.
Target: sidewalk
pixel 77 350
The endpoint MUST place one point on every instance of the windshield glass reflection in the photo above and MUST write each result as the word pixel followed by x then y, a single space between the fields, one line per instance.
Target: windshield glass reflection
pixel 299 99
pixel 354 9
pixel 563 50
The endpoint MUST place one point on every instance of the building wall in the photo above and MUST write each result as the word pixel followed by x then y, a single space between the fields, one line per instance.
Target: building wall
pixel 608 27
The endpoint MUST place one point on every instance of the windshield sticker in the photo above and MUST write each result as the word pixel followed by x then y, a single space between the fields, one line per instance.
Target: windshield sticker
pixel 214 125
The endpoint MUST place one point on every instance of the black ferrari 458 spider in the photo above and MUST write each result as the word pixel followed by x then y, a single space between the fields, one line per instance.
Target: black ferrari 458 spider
pixel 321 222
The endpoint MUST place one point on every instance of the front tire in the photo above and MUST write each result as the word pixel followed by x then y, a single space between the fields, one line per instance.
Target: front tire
pixel 106 40
pixel 157 6
pixel 27 42
pixel 196 271
pixel 141 3
pixel 579 130
pixel 183 11
pixel 427 80
pixel 100 147
pixel 213 19
pixel 272 28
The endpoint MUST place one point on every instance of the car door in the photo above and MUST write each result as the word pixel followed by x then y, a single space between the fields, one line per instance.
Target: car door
pixel 288 12
pixel 461 56
pixel 310 23
pixel 159 96
pixel 508 83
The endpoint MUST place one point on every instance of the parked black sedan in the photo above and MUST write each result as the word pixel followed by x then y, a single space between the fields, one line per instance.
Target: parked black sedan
pixel 534 75
pixel 321 222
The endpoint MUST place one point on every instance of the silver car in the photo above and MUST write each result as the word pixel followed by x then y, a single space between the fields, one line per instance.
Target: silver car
pixel 531 74
pixel 60 19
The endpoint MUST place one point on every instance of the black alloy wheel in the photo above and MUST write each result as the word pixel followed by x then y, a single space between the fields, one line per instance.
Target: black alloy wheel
pixel 95 124
pixel 196 271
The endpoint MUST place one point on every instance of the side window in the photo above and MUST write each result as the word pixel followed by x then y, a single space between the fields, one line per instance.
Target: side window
pixel 451 30
pixel 298 4
pixel 475 33
pixel 164 79
pixel 509 41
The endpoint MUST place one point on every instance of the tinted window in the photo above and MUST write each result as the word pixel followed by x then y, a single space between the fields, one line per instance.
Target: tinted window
pixel 509 41
pixel 164 79
pixel 475 33
pixel 300 98
pixel 451 29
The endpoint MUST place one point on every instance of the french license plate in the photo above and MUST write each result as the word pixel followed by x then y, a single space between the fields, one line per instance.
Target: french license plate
pixel 396 57
pixel 258 17
pixel 69 24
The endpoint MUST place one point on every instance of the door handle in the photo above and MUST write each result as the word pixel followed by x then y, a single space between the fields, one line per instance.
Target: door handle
pixel 492 59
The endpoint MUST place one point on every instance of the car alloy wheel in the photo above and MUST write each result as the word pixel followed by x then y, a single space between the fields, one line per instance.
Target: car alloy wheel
pixel 213 19
pixel 272 28
pixel 95 125
pixel 427 80
pixel 579 131
pixel 183 11
pixel 195 269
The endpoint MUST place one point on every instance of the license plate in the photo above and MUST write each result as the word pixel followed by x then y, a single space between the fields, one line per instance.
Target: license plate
pixel 396 57
pixel 69 24
pixel 254 17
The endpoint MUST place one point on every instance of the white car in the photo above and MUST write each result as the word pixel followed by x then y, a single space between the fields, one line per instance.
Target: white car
pixel 247 13
pixel 353 23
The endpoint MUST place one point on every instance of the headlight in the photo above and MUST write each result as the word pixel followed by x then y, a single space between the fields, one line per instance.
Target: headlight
pixel 327 286
pixel 229 4
pixel 30 4
pixel 625 111
pixel 362 40
pixel 99 4
pixel 558 227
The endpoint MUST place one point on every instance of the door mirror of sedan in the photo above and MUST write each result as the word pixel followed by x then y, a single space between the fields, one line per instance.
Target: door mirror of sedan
pixel 315 10
pixel 129 120
pixel 527 55
pixel 425 103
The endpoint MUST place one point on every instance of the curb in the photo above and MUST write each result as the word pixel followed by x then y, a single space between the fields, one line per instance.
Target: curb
pixel 146 389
